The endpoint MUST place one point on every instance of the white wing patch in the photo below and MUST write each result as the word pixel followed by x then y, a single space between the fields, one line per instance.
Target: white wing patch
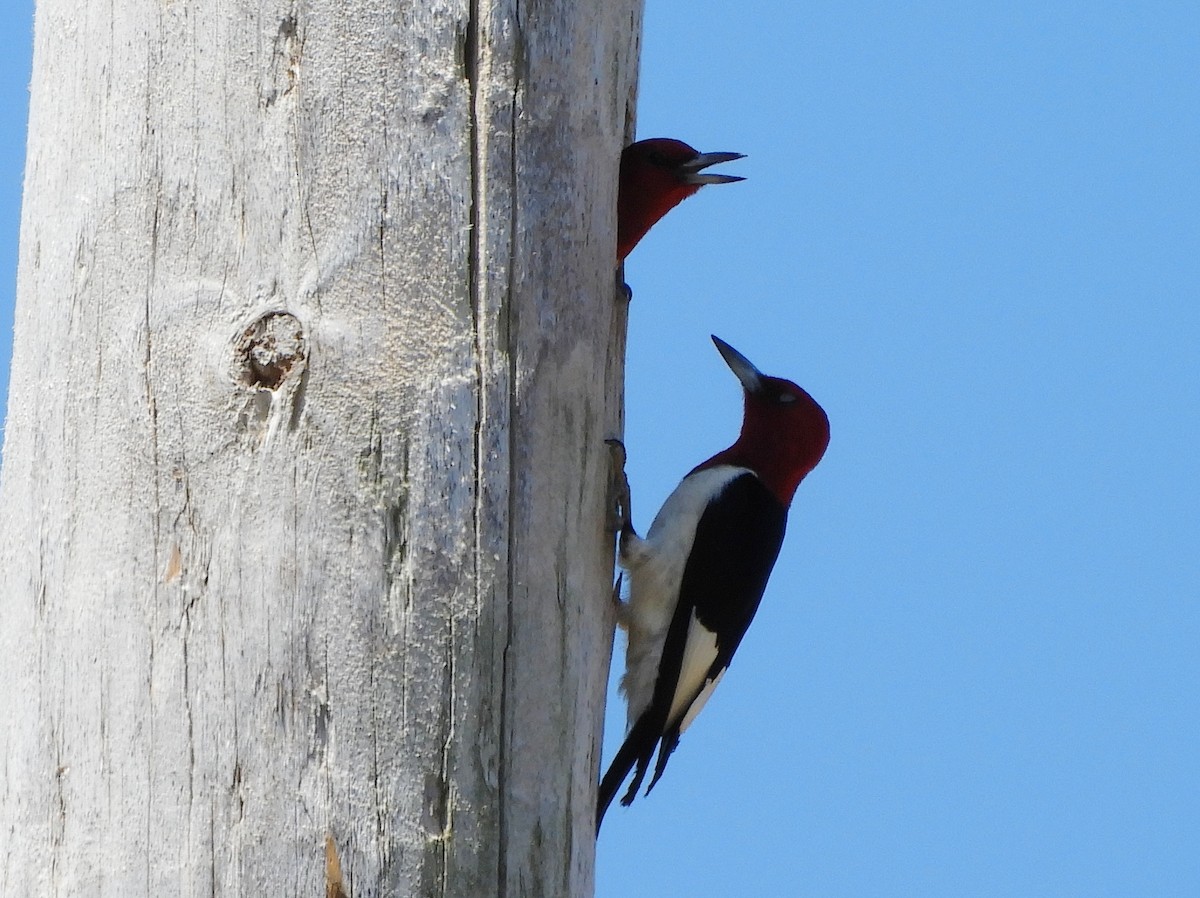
pixel 709 688
pixel 694 687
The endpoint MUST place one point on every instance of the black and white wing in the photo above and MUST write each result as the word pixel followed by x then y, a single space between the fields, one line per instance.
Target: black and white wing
pixel 737 540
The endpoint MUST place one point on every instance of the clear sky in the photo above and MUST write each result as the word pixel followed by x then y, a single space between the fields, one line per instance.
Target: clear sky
pixel 972 232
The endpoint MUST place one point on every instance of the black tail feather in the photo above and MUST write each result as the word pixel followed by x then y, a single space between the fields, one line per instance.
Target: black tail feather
pixel 637 749
pixel 670 741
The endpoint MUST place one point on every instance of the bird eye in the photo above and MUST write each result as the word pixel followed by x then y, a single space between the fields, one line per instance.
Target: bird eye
pixel 785 398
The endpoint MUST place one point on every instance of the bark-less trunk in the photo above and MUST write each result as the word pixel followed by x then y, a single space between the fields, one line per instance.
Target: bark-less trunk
pixel 302 519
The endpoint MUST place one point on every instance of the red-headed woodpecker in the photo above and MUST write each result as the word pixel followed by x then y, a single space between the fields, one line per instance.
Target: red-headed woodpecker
pixel 696 579
pixel 656 176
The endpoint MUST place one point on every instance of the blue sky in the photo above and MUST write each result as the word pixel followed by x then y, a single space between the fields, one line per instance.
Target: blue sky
pixel 973 234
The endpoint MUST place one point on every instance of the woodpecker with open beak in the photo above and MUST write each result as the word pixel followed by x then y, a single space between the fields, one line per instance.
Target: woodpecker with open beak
pixel 656 176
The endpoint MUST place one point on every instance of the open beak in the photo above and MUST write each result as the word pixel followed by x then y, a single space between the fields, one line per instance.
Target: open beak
pixel 751 377
pixel 690 172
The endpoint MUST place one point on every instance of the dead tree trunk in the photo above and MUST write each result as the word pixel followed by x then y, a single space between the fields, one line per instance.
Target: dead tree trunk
pixel 303 566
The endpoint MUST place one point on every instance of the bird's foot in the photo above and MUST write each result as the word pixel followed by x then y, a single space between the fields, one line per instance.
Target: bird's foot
pixel 620 608
pixel 620 516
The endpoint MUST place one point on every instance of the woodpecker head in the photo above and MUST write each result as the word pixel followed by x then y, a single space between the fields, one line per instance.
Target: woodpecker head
pixel 657 175
pixel 784 431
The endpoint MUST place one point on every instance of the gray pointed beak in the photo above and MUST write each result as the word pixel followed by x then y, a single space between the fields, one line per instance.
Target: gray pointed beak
pixel 690 171
pixel 750 376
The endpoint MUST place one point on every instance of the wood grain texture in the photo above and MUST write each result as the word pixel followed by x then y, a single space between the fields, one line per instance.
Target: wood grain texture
pixel 304 570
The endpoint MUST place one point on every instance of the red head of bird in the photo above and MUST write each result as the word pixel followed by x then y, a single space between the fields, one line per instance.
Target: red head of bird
pixel 657 175
pixel 784 431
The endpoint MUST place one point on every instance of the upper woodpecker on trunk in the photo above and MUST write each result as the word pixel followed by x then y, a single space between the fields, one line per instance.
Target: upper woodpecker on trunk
pixel 696 579
pixel 657 175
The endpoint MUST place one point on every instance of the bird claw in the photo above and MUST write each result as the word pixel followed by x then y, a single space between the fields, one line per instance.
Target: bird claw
pixel 620 516
pixel 621 608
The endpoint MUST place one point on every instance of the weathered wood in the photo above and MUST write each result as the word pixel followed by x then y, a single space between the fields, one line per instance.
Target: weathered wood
pixel 302 551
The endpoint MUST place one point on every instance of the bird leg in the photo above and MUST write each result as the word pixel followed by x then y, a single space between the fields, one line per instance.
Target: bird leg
pixel 621 608
pixel 620 521
pixel 620 516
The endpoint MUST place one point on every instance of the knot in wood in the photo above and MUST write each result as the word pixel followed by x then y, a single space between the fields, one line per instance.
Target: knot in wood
pixel 271 350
